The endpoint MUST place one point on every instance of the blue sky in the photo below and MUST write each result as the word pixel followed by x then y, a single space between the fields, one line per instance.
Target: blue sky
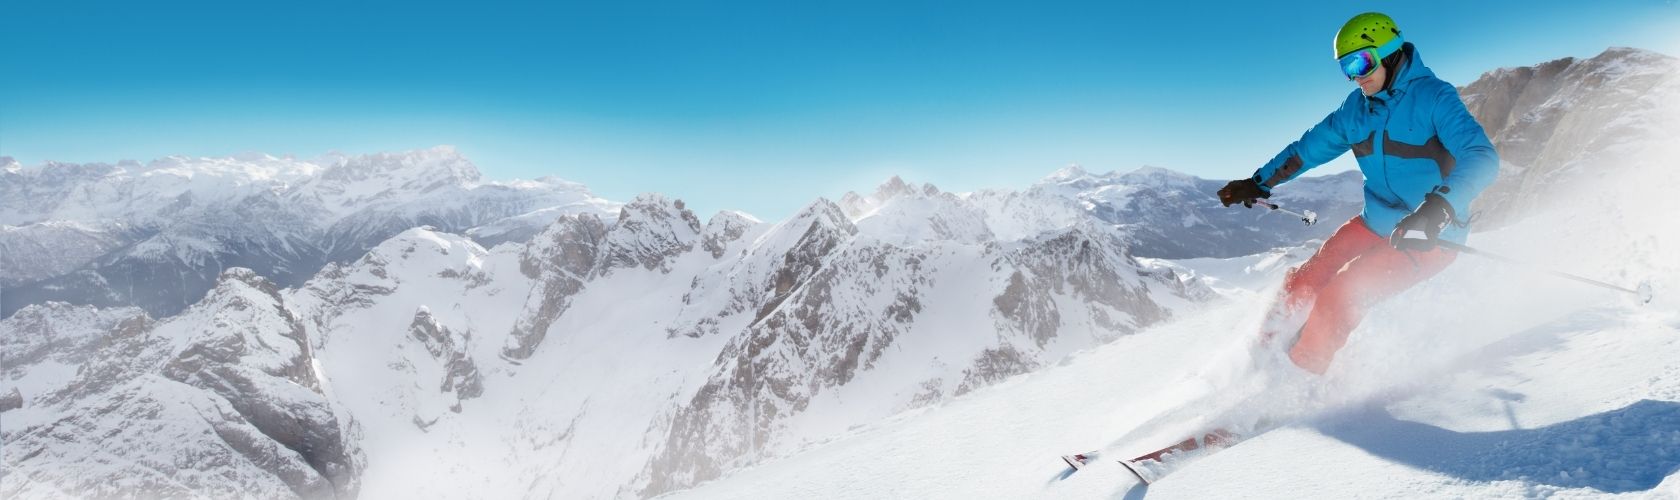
pixel 756 106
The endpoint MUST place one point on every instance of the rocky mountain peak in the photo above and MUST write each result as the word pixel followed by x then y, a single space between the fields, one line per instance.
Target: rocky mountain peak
pixel 424 241
pixel 650 230
pixel 1157 176
pixel 724 228
pixel 1562 121
pixel 1626 60
pixel 731 218
pixel 420 169
pixel 1068 173
pixel 655 206
pixel 239 278
pixel 891 188
pixel 1075 178
pixel 857 206
pixel 824 213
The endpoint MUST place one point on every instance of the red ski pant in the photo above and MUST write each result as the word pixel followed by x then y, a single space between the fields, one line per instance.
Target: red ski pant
pixel 1355 269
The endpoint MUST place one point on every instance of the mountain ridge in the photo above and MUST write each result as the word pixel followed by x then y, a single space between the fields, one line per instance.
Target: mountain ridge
pixel 634 352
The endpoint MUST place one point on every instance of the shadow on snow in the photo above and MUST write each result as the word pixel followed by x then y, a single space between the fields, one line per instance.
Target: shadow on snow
pixel 1619 451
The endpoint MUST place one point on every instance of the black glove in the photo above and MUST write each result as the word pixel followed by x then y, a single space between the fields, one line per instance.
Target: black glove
pixel 1420 230
pixel 1242 191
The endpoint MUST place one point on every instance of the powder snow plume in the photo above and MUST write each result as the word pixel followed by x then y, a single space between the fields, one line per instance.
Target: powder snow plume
pixel 1491 380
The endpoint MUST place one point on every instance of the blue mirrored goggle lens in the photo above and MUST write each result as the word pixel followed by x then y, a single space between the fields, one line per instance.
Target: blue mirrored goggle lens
pixel 1359 64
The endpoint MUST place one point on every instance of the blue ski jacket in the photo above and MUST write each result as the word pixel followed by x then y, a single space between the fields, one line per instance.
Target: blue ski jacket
pixel 1413 139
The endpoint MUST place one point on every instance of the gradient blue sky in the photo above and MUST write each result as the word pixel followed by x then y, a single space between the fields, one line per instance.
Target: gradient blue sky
pixel 756 106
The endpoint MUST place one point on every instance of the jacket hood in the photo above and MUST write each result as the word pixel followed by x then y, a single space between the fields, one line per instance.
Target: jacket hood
pixel 1411 71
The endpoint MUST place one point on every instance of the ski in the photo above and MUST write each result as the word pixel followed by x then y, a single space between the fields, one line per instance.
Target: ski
pixel 1151 467
pixel 1134 470
pixel 1079 460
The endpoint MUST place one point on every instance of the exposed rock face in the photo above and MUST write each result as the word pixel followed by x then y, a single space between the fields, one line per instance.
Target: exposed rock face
pixel 1562 125
pixel 561 259
pixel 1090 263
pixel 448 348
pixel 406 338
pixel 228 386
pixel 725 228
pixel 649 233
pixel 60 333
pixel 836 300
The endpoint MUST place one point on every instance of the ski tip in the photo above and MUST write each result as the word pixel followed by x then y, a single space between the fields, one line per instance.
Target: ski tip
pixel 1079 460
pixel 1134 472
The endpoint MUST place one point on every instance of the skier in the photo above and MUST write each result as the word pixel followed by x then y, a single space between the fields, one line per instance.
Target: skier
pixel 1424 159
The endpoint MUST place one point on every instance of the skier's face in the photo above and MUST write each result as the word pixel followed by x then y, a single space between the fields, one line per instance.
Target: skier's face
pixel 1372 84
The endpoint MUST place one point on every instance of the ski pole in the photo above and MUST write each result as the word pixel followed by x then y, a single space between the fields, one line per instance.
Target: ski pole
pixel 1307 216
pixel 1643 291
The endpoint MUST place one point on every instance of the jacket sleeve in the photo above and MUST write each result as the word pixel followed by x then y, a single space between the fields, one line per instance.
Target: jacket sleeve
pixel 1476 162
pixel 1320 144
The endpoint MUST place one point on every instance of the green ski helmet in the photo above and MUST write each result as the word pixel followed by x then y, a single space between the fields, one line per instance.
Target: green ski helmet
pixel 1371 29
pixel 1364 42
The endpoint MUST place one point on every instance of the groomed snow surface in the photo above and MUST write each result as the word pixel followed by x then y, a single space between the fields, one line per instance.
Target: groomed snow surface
pixel 1488 381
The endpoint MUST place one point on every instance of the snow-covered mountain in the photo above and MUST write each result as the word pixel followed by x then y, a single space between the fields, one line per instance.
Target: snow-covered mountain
pixel 157 235
pixel 1565 125
pixel 1164 214
pixel 1490 380
pixel 1457 389
pixel 223 400
pixel 909 342
pixel 649 335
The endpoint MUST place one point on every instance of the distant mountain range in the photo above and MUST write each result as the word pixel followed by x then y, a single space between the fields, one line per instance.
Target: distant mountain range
pixel 393 326
pixel 157 235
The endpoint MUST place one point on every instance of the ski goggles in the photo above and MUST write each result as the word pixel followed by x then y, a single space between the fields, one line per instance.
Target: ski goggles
pixel 1363 62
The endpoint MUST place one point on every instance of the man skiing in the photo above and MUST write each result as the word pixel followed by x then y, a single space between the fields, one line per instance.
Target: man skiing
pixel 1424 159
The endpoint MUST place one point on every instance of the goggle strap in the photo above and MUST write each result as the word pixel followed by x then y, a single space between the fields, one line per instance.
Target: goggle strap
pixel 1385 50
pixel 1391 47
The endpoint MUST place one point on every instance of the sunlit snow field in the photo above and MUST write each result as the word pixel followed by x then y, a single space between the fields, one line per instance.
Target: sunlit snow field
pixel 1488 381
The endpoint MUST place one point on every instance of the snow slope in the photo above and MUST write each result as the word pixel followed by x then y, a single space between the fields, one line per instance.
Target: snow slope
pixel 1487 381
pixel 1560 408
pixel 912 343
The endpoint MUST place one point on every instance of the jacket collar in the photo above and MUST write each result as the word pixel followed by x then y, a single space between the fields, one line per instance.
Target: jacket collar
pixel 1410 71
